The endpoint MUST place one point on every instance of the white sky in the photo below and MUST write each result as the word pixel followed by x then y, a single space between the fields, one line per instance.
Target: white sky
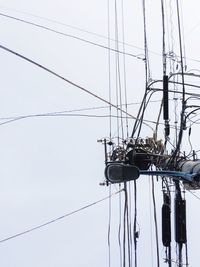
pixel 53 165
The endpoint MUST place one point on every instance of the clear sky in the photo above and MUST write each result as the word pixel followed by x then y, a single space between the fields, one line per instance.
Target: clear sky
pixel 53 165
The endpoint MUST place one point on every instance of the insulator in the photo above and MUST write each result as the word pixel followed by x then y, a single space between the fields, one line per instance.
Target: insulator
pixel 165 98
pixel 180 221
pixel 167 129
pixel 166 225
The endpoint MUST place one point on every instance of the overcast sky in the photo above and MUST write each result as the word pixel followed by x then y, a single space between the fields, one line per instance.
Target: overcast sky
pixel 53 165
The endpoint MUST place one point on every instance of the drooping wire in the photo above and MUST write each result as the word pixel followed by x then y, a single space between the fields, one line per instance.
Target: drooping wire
pixel 66 80
pixel 58 218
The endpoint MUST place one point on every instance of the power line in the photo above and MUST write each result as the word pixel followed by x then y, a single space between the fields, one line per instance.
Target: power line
pixel 194 195
pixel 89 32
pixel 77 28
pixel 14 119
pixel 69 35
pixel 68 81
pixel 59 218
pixel 62 113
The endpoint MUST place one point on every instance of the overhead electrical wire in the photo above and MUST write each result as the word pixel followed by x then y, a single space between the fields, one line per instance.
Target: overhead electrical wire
pixel 124 67
pixel 66 80
pixel 138 124
pixel 119 229
pixel 8 120
pixel 70 36
pixel 109 69
pixel 180 135
pixel 58 218
pixel 85 31
pixel 135 232
pixel 74 28
pixel 117 74
pixel 155 222
pixel 109 227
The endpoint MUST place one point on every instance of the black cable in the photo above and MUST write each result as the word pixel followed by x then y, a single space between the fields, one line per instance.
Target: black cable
pixel 156 223
pixel 126 228
pixel 119 229
pixel 140 117
pixel 109 227
pixel 135 233
pixel 58 219
pixel 129 223
pixel 124 225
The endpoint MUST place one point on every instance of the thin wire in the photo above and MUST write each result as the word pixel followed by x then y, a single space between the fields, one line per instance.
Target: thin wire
pixel 109 226
pixel 75 28
pixel 119 229
pixel 69 35
pixel 70 111
pixel 86 31
pixel 118 67
pixel 124 65
pixel 147 76
pixel 14 119
pixel 163 42
pixel 117 71
pixel 184 50
pixel 130 220
pixel 124 226
pixel 155 221
pixel 109 69
pixel 65 79
pixel 58 219
pixel 135 222
pixel 183 88
pixel 150 217
pixel 194 194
